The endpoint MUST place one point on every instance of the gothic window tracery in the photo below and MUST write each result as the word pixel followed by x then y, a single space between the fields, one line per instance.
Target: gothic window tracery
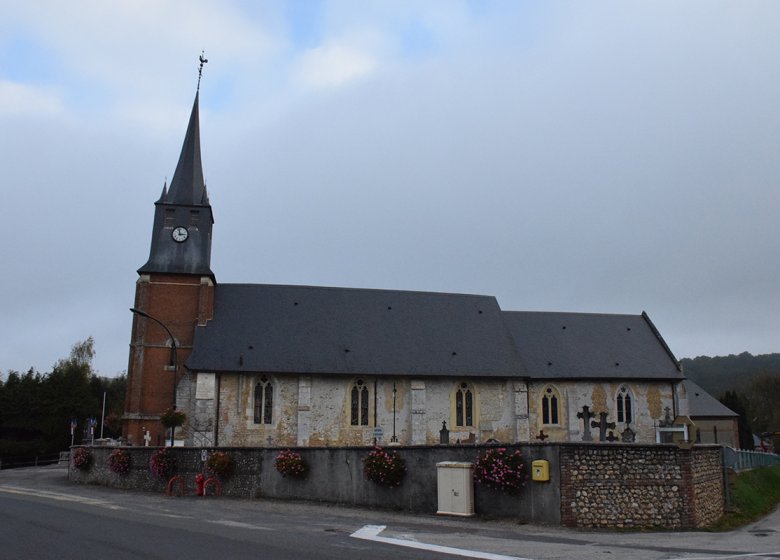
pixel 550 403
pixel 624 405
pixel 464 406
pixel 359 404
pixel 264 401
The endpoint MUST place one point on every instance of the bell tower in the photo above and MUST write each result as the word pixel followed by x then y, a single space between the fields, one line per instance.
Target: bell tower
pixel 174 293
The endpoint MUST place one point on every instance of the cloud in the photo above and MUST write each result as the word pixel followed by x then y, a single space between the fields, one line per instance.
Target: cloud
pixel 605 157
pixel 26 100
pixel 333 65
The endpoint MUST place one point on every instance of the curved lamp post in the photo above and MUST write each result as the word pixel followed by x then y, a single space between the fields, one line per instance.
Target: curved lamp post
pixel 173 354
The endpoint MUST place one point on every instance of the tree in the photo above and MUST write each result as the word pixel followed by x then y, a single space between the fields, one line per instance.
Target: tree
pixel 737 403
pixel 36 409
pixel 764 399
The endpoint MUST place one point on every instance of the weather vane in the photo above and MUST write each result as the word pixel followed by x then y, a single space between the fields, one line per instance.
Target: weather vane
pixel 203 60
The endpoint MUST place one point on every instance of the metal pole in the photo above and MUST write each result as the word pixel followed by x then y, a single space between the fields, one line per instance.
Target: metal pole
pixel 173 356
pixel 394 439
pixel 103 416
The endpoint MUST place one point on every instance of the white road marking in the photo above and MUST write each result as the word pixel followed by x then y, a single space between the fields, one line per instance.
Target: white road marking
pixel 722 557
pixel 238 524
pixel 58 496
pixel 371 533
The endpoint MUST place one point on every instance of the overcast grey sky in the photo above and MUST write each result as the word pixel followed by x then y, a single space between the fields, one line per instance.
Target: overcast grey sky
pixel 564 156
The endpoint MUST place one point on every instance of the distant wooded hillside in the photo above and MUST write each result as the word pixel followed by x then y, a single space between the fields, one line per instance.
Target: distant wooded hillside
pixel 749 385
pixel 730 373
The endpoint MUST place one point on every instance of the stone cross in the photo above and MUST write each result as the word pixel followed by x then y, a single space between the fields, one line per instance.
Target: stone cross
pixel 612 437
pixel 603 426
pixel 628 435
pixel 667 421
pixel 542 436
pixel 586 415
pixel 147 438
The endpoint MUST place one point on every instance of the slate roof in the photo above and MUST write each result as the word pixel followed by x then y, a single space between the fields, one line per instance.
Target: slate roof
pixel 187 185
pixel 594 346
pixel 701 404
pixel 187 196
pixel 345 331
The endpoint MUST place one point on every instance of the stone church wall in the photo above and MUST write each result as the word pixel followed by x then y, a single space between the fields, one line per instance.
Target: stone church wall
pixel 315 411
pixel 591 486
pixel 649 401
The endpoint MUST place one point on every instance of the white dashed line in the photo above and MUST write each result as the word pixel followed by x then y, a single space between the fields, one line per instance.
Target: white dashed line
pixel 58 496
pixel 239 524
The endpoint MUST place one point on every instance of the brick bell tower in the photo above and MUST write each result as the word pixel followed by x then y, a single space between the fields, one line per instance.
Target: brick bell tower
pixel 174 291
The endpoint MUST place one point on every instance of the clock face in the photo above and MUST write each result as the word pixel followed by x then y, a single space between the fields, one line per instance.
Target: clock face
pixel 180 234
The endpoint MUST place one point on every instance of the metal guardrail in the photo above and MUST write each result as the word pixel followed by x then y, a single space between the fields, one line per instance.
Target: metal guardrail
pixel 743 460
pixel 31 461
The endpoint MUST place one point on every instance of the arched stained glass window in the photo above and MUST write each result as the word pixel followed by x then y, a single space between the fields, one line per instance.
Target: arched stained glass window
pixel 624 406
pixel 264 401
pixel 550 407
pixel 359 404
pixel 464 406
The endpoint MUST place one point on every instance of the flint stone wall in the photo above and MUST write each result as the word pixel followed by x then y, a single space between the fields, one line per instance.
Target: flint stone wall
pixel 640 486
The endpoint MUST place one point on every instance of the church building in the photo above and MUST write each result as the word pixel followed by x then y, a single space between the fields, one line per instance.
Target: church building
pixel 273 365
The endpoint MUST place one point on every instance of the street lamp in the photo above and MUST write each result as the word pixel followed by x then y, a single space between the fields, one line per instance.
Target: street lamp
pixel 173 354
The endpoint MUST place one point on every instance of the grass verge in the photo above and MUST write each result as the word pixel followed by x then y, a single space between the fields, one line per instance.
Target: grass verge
pixel 754 494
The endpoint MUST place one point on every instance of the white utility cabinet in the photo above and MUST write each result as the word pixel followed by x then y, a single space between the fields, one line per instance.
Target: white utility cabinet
pixel 456 488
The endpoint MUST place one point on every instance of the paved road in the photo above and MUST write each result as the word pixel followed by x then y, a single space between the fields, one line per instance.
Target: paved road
pixel 43 515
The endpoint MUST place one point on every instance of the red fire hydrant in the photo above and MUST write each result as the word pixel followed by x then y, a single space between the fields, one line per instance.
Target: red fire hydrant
pixel 200 482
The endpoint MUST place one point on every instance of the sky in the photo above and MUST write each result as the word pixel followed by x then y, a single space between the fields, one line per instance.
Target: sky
pixel 589 156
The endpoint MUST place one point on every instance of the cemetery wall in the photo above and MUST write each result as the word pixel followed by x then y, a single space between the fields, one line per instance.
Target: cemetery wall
pixel 640 486
pixel 591 485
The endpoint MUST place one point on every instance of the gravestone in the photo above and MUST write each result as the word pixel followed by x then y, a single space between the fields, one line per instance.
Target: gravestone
pixel 586 415
pixel 603 426
pixel 628 435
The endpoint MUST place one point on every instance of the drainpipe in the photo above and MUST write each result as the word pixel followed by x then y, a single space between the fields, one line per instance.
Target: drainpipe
pixel 375 407
pixel 216 409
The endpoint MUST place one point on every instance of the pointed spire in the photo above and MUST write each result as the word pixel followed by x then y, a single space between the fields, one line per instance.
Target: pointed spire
pixel 164 191
pixel 187 184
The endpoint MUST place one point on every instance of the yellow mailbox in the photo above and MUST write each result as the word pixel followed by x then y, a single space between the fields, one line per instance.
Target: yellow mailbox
pixel 540 470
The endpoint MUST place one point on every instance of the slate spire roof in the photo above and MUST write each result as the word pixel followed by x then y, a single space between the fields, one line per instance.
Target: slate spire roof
pixel 184 203
pixel 187 185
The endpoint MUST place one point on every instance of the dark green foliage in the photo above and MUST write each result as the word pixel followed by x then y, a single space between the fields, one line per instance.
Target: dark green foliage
pixel 749 385
pixel 36 409
pixel 730 373
pixel 173 418
pixel 736 403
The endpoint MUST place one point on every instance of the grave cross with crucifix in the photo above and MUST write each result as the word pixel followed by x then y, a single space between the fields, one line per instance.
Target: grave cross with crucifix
pixel 603 426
